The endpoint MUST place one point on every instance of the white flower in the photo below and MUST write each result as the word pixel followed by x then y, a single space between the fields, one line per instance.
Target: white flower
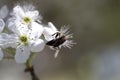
pixel 56 39
pixel 27 30
pixel 3 43
pixel 23 17
pixel 3 14
pixel 25 42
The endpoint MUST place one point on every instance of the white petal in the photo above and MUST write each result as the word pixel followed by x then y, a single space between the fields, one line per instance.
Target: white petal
pixel 20 28
pixel 16 26
pixel 22 54
pixel 48 32
pixel 1 54
pixel 11 24
pixel 37 46
pixel 4 40
pixel 13 41
pixel 4 36
pixel 50 24
pixel 37 30
pixel 18 12
pixel 4 11
pixel 13 44
pixel 2 25
pixel 32 14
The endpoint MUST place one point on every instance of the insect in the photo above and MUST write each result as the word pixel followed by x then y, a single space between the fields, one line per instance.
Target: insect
pixel 59 40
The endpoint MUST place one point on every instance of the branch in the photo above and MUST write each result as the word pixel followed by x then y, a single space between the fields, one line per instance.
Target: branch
pixel 32 73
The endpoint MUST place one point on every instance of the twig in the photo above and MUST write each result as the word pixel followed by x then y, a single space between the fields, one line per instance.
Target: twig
pixel 32 73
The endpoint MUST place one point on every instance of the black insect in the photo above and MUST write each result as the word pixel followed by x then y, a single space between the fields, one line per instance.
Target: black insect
pixel 59 40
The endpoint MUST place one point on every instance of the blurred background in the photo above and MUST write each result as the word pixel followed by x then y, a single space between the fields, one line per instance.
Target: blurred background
pixel 96 28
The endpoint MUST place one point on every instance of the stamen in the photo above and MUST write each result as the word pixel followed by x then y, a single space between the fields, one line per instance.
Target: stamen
pixel 23 39
pixel 26 19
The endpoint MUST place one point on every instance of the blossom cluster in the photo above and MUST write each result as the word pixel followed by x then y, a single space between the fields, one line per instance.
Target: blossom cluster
pixel 27 33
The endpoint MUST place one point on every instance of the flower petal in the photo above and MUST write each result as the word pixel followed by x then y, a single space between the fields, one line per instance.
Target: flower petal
pixel 49 31
pixel 50 24
pixel 37 30
pixel 22 54
pixel 4 40
pixel 37 46
pixel 1 54
pixel 4 12
pixel 16 26
pixel 18 12
pixel 13 40
pixel 2 25
pixel 11 24
pixel 32 14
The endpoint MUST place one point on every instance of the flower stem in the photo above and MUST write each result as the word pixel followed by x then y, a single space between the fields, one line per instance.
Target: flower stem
pixel 30 68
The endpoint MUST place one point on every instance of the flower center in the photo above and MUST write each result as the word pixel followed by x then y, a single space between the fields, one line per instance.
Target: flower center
pixel 23 39
pixel 26 19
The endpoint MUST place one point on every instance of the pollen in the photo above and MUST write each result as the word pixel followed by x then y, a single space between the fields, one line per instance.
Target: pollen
pixel 26 19
pixel 23 39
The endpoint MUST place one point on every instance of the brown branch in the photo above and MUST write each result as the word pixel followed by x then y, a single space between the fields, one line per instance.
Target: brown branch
pixel 32 73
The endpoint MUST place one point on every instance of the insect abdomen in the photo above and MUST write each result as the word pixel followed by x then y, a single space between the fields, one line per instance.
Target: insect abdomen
pixel 56 42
